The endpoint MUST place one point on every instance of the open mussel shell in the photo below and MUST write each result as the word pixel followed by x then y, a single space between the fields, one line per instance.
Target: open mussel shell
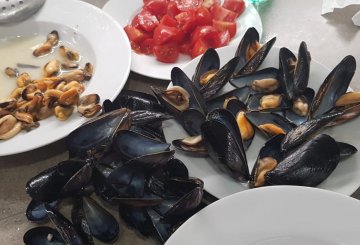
pixel 334 86
pixel 298 113
pixel 217 102
pixel 137 218
pixel 305 130
pixel 101 224
pixel 135 100
pixel 209 61
pixel 223 140
pixel 348 113
pixel 131 145
pixel 269 156
pixel 261 81
pixel 103 129
pixel 43 235
pixel 47 185
pixel 219 79
pixel 36 211
pixel 308 165
pixel 270 124
pixel 248 66
pixel 179 78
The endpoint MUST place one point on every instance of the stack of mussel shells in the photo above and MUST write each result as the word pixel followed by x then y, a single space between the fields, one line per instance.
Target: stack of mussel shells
pixel 221 108
pixel 121 156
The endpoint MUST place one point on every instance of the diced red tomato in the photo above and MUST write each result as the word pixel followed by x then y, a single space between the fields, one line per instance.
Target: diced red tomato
pixel 147 21
pixel 165 34
pixel 135 35
pixel 225 25
pixel 236 6
pixel 156 7
pixel 167 53
pixel 172 9
pixel 209 3
pixel 185 5
pixel 185 47
pixel 220 13
pixel 208 34
pixel 187 21
pixel 168 21
pixel 199 48
pixel 147 46
pixel 203 16
pixel 165 28
pixel 224 39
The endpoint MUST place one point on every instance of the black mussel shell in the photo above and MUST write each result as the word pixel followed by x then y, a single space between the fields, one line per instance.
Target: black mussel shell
pixel 150 131
pixel 43 235
pixel 102 188
pixel 151 161
pixel 295 118
pixel 346 149
pixel 162 229
pixel 103 226
pixel 221 77
pixel 285 72
pixel 65 227
pixel 334 85
pixel 250 36
pixel 210 60
pixel 308 165
pixel 144 117
pixel 305 130
pixel 136 100
pixel 103 129
pixel 47 185
pixel 302 70
pixel 36 211
pixel 131 145
pixel 179 78
pixel 254 103
pixel 191 120
pixel 223 140
pixel 190 145
pixel 137 218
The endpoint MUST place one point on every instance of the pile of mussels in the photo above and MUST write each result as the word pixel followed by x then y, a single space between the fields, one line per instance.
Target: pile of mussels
pixel 123 157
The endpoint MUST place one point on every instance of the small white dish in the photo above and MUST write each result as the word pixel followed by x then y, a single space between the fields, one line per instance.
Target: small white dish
pixel 124 11
pixel 344 179
pixel 96 35
pixel 275 215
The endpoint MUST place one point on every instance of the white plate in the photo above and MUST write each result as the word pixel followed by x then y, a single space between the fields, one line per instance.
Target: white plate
pixel 278 215
pixel 98 37
pixel 344 179
pixel 124 11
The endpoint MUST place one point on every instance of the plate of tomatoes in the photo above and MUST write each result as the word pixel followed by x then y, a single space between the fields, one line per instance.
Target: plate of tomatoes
pixel 168 33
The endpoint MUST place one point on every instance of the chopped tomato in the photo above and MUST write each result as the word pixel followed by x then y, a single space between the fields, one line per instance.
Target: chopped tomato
pixel 156 7
pixel 220 13
pixel 236 6
pixel 185 5
pixel 225 25
pixel 199 48
pixel 224 39
pixel 208 34
pixel 172 9
pixel 209 3
pixel 187 21
pixel 168 21
pixel 135 22
pixel 185 47
pixel 167 53
pixel 135 47
pixel 135 35
pixel 165 34
pixel 203 16
pixel 147 46
pixel 147 21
